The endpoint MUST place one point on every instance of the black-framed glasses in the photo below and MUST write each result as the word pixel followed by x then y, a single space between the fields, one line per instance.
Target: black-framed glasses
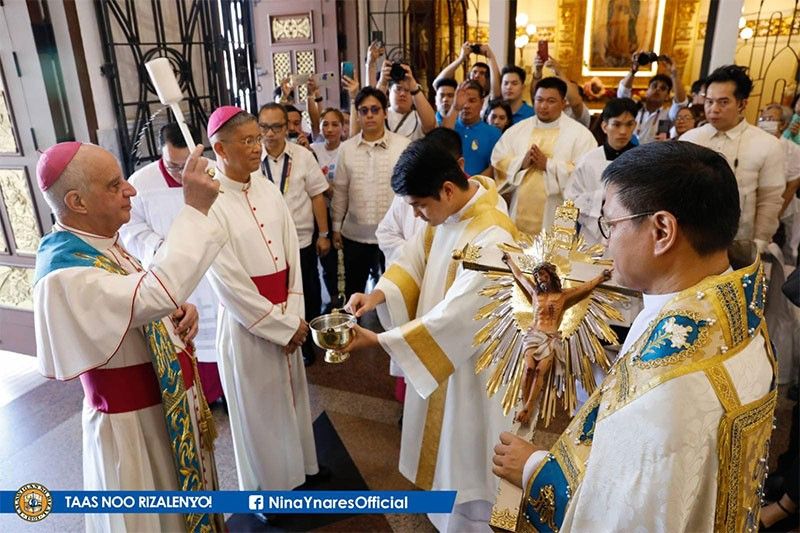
pixel 605 224
pixel 275 128
pixel 365 110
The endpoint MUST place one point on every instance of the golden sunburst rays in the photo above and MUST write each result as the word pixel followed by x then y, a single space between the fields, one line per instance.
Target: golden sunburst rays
pixel 584 328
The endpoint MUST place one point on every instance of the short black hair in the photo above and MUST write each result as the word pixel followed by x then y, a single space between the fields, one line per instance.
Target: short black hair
pixel 289 108
pixel 735 73
pixel 551 82
pixel 368 91
pixel 448 139
pixel 513 69
pixel 662 78
pixel 692 182
pixel 482 65
pixel 619 106
pixel 171 133
pixel 499 102
pixel 474 85
pixel 697 86
pixel 423 168
pixel 278 107
pixel 445 82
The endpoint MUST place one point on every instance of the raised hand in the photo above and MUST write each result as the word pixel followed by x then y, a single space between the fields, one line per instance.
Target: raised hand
pixel 199 189
pixel 351 85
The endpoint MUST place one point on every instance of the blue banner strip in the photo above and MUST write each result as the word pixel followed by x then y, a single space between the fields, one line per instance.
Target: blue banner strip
pixel 269 502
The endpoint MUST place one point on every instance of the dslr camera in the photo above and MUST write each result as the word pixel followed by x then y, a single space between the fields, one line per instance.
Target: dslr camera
pixel 645 58
pixel 398 73
pixel 476 48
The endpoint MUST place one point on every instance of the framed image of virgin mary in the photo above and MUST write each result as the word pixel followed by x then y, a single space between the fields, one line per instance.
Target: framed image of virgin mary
pixel 615 29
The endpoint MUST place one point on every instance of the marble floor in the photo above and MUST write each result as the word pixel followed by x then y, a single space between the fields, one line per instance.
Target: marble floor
pixel 41 437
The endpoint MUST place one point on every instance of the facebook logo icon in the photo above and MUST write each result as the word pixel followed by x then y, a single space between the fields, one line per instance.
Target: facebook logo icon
pixel 256 502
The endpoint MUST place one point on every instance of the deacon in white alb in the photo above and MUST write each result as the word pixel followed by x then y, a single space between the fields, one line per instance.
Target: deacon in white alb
pixel 427 299
pixel 585 186
pixel 261 328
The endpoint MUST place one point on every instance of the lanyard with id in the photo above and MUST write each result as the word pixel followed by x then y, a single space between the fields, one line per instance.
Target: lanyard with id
pixel 287 169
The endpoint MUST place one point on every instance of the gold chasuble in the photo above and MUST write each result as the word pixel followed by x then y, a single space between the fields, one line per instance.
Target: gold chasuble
pixel 698 333
pixel 530 199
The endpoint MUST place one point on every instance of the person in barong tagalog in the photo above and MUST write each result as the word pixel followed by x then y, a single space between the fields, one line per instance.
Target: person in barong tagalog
pixel 542 343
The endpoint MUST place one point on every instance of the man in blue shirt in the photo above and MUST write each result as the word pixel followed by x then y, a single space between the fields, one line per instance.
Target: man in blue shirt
pixel 512 85
pixel 477 137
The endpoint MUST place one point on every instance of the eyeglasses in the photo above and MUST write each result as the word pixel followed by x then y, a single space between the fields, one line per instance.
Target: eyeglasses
pixel 247 141
pixel 605 224
pixel 173 167
pixel 275 128
pixel 366 110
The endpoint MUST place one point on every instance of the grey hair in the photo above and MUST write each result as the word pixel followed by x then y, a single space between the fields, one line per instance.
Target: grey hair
pixel 73 178
pixel 786 112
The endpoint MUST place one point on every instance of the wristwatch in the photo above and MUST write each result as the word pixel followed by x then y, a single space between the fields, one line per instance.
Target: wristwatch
pixel 416 91
pixel 323 234
pixel 318 99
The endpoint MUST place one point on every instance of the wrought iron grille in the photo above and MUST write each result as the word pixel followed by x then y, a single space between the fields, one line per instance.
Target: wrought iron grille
pixel 772 53
pixel 209 45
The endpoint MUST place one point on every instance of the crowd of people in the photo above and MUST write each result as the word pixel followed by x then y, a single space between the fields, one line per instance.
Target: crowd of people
pixel 362 207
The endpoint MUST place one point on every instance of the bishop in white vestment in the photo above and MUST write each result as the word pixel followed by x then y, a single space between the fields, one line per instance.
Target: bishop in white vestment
pixel 258 281
pixel 101 317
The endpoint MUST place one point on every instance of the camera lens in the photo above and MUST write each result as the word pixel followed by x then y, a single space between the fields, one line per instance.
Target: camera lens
pixel 397 73
pixel 645 58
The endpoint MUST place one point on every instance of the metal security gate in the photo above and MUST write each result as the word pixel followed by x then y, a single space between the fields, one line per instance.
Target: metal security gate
pixel 209 45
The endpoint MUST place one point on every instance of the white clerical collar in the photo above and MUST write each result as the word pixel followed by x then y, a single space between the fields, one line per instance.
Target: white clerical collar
pixel 98 242
pixel 552 124
pixel 657 301
pixel 456 217
pixel 232 185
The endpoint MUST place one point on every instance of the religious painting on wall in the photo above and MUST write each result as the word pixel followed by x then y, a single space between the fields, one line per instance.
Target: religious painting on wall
pixel 615 29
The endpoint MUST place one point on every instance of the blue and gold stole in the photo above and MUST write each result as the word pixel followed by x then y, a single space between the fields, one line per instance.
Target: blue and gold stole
pixel 63 249
pixel 697 331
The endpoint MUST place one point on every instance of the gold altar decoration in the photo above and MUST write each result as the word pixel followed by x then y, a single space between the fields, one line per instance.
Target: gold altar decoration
pixel 510 314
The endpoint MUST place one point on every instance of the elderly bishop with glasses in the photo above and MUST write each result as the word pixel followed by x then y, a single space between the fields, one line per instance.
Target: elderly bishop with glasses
pixel 258 280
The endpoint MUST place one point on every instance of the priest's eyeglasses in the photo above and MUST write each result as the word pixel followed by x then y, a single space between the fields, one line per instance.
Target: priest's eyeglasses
pixel 605 224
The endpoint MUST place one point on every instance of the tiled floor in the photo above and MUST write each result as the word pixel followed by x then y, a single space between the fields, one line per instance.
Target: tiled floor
pixel 40 424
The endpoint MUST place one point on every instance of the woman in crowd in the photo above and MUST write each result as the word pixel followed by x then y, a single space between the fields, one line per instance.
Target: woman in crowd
pixel 498 114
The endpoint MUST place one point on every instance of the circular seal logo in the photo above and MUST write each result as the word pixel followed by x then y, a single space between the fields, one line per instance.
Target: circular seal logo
pixel 33 502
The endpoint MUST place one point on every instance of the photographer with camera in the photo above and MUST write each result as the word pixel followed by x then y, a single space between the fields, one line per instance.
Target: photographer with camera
pixel 409 114
pixel 487 75
pixel 653 120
